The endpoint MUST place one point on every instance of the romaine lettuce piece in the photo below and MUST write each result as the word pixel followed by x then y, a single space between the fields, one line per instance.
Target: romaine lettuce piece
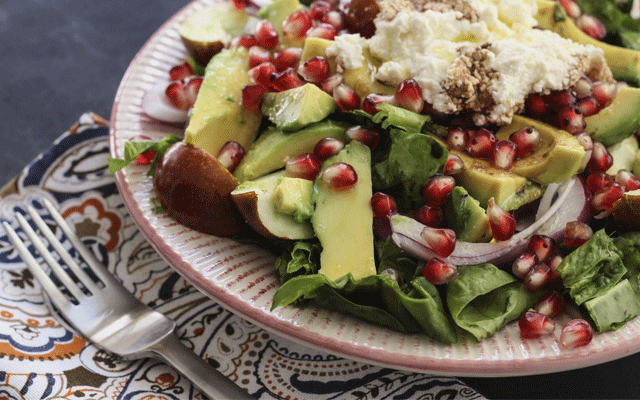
pixel 629 245
pixel 614 308
pixel 484 298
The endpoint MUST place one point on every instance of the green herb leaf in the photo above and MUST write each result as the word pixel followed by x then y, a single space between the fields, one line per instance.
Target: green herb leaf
pixel 132 149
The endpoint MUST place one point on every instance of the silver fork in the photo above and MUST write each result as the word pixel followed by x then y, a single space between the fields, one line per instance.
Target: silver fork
pixel 108 315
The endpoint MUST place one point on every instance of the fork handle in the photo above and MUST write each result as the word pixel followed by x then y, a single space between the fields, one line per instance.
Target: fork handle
pixel 209 380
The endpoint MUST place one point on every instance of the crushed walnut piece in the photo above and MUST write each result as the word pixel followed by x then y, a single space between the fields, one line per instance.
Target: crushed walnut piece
pixel 389 8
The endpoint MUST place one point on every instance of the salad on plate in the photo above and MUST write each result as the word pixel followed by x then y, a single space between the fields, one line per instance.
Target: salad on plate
pixel 437 167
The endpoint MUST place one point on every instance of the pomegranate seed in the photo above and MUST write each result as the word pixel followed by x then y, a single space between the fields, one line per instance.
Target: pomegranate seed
pixel 537 277
pixel 502 223
pixel 536 105
pixel 438 271
pixel 437 190
pixel 454 164
pixel 534 324
pixel 526 140
pixel 252 96
pixel 393 273
pixel 604 92
pixel 340 175
pixel 323 31
pixel 558 99
pixel 429 215
pixel 600 159
pixel 551 304
pixel 334 18
pixel 409 95
pixel 266 34
pixel 367 135
pixel 231 154
pixel 305 166
pixel 585 141
pixel 382 204
pixel 576 333
pixel 554 260
pixel 192 88
pixel 327 147
pixel 440 241
pixel 261 74
pixel 382 227
pixel 286 58
pixel 592 26
pixel 628 180
pixel 315 69
pixel 296 25
pixel 571 119
pixel 589 106
pixel 576 233
pixel 180 72
pixel 147 157
pixel 370 103
pixel 457 138
pixel 177 95
pixel 346 98
pixel 605 197
pixel 319 9
pixel 504 154
pixel 524 263
pixel 258 55
pixel 246 40
pixel 598 180
pixel 583 87
pixel 482 143
pixel 543 246
pixel 287 79
pixel 240 4
pixel 571 8
pixel 329 84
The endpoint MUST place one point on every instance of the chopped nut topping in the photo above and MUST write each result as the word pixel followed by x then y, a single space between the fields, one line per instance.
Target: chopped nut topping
pixel 389 8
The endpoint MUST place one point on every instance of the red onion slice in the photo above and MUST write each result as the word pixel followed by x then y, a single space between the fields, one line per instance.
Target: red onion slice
pixel 156 105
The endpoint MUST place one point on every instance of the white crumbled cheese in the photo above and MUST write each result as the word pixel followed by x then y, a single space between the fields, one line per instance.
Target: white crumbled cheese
pixel 478 56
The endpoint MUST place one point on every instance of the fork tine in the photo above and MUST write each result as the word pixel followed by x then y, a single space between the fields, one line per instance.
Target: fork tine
pixel 71 286
pixel 71 263
pixel 88 256
pixel 56 296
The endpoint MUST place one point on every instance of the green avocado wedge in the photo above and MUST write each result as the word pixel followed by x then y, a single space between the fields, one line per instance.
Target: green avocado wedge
pixel 618 120
pixel 293 109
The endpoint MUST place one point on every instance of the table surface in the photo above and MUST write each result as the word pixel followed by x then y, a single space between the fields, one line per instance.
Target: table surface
pixel 61 58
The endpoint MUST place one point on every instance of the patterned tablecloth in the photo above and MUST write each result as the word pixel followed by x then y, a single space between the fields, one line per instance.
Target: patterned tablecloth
pixel 40 358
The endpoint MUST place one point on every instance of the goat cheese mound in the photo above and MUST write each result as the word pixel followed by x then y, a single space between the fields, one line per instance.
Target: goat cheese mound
pixel 478 56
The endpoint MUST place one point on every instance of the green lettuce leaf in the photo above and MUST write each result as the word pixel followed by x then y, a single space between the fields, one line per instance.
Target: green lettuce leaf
pixel 621 28
pixel 301 258
pixel 614 308
pixel 134 148
pixel 629 245
pixel 483 298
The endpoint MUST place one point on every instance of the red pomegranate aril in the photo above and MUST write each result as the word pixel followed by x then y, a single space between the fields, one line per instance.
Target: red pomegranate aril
pixel 180 71
pixel 576 234
pixel 147 157
pixel 305 166
pixel 504 154
pixel 327 147
pixel 258 55
pixel 571 119
pixel 330 83
pixel 393 273
pixel 285 58
pixel 246 40
pixel 266 34
pixel 440 241
pixel 534 325
pixel 583 87
pixel 429 215
pixel 536 106
pixel 177 95
pixel 231 154
pixel 323 31
pixel 558 99
pixel 571 8
pixel 314 70
pixel 551 304
pixel 439 272
pixel 409 95
pixel 285 80
pixel 367 135
pixel 382 227
pixel 340 176
pixel 437 190
pixel 592 26
pixel 192 87
pixel 261 74
pixel 604 92
pixel 589 106
pixel 370 103
pixel 598 180
pixel 240 4
pixel 382 204
pixel 605 197
pixel 346 98
pixel 628 180
pixel 252 96
pixel 526 140
pixel 503 224
pixel 296 25
pixel 600 159
pixel 457 138
pixel 537 277
pixel 319 9
pixel 481 144
pixel 524 263
pixel 543 246
pixel 334 18
pixel 453 165
pixel 576 333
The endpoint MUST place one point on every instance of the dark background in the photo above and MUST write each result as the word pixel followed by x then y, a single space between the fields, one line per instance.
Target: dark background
pixel 59 58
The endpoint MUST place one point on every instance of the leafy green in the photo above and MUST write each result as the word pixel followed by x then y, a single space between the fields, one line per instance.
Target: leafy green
pixel 301 258
pixel 629 245
pixel 614 308
pixel 592 269
pixel 621 28
pixel 134 148
pixel 483 298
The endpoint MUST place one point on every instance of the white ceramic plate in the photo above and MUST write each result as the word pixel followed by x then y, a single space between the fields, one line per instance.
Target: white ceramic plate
pixel 240 276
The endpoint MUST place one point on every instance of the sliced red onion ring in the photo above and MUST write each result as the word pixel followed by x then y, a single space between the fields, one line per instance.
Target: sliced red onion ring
pixel 156 105
pixel 571 204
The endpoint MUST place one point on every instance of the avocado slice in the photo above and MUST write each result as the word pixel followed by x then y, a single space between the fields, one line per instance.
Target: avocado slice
pixel 293 109
pixel 624 155
pixel 345 217
pixel 292 196
pixel 315 47
pixel 218 115
pixel 557 158
pixel 272 149
pixel 624 63
pixel 465 216
pixel 618 120
pixel 276 12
